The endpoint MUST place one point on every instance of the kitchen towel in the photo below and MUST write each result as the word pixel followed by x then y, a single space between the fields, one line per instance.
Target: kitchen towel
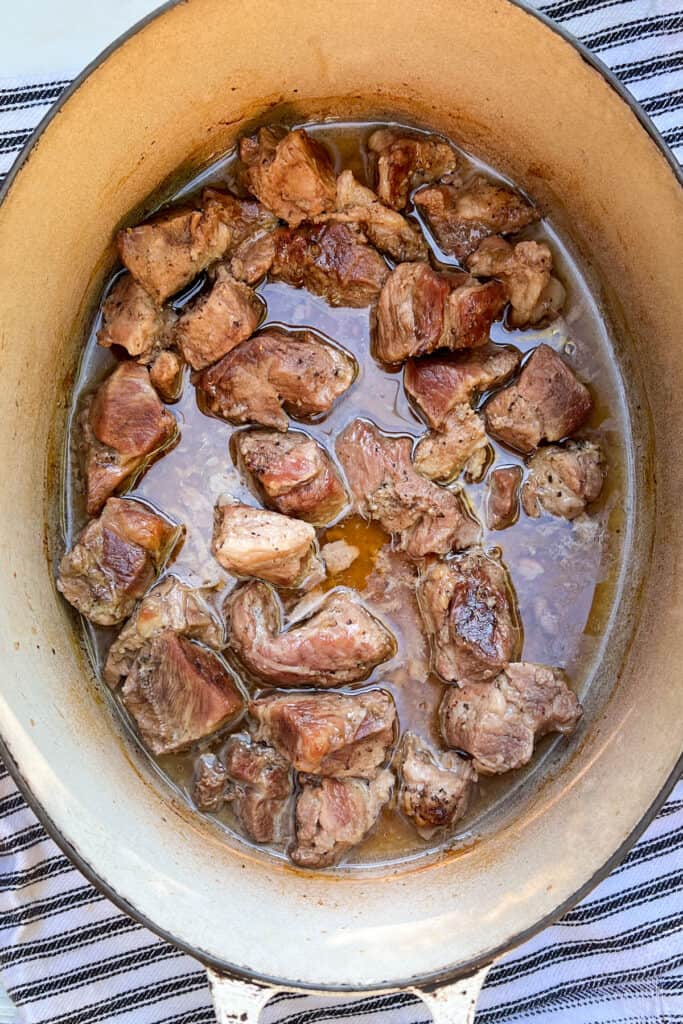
pixel 68 956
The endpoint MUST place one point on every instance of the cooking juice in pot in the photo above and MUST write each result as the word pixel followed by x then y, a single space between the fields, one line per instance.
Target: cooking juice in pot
pixel 564 571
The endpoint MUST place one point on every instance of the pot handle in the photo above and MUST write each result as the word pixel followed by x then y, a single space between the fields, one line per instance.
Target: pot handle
pixel 241 1002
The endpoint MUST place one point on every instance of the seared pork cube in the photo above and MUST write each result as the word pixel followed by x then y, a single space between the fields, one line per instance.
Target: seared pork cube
pixel 406 160
pixel 546 403
pixel 251 261
pixel 420 311
pixel 132 320
pixel 468 606
pixel 564 480
pixel 461 216
pixel 115 559
pixel 331 260
pixel 439 383
pixel 166 375
pixel 292 174
pixel 209 782
pixel 169 605
pixel 340 642
pixel 526 271
pixel 333 815
pixel 179 692
pixel 388 230
pixel 434 792
pixel 338 555
pixel 386 487
pixel 123 424
pixel 502 500
pixel 336 734
pixel 166 253
pixel 253 542
pixel 497 723
pixel 259 789
pixel 218 321
pixel 245 219
pixel 459 444
pixel 293 473
pixel 274 374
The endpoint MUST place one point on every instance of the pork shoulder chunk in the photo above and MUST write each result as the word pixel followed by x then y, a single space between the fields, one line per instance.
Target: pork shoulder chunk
pixel 332 260
pixel 460 444
pixel 341 642
pixel 169 605
pixel 525 269
pixel 388 230
pixel 259 789
pixel 245 219
pixel 338 555
pixel 209 781
pixel 179 692
pixel 420 311
pixel 434 792
pixel 254 542
pixel 460 217
pixel 115 559
pixel 251 261
pixel 292 174
pixel 166 376
pixel 218 321
pixel 336 734
pixel 293 473
pixel 274 374
pixel 123 425
pixel 334 815
pixel 385 486
pixel 132 320
pixel 502 499
pixel 468 606
pixel 167 252
pixel 439 383
pixel 564 480
pixel 546 403
pixel 497 723
pixel 406 160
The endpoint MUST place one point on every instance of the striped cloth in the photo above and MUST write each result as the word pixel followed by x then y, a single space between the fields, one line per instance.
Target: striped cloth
pixel 69 957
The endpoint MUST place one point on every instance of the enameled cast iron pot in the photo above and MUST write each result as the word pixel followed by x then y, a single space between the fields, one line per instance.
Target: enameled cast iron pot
pixel 160 103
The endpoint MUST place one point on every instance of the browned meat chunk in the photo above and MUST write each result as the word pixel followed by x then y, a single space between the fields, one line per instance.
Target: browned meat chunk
pixel 546 403
pixel 497 723
pixel 178 692
pixel 123 424
pixel 433 793
pixel 331 260
pixel 420 311
pixel 259 790
pixel 338 555
pixel 405 161
pixel 340 643
pixel 252 260
pixel 209 782
pixel 132 320
pixel 525 270
pixel 460 444
pixel 329 733
pixel 564 481
pixel 468 606
pixel 115 559
pixel 502 500
pixel 439 383
pixel 253 542
pixel 166 253
pixel 428 519
pixel 166 375
pixel 459 217
pixel 170 605
pixel 292 175
pixel 333 815
pixel 217 322
pixel 294 474
pixel 387 229
pixel 277 371
pixel 245 219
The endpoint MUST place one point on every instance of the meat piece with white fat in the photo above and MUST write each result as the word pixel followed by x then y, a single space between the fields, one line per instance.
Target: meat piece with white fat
pixel 525 269
pixel 564 480
pixel 251 541
pixel 216 322
pixel 209 781
pixel 459 444
pixel 434 791
pixel 259 789
pixel 502 499
pixel 405 160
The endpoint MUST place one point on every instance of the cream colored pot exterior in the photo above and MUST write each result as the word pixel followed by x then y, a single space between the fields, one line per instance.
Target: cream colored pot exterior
pixel 174 94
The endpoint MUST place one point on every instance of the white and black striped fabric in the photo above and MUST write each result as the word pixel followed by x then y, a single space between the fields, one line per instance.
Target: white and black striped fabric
pixel 68 956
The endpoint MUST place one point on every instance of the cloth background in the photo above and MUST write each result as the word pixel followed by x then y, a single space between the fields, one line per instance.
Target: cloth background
pixel 68 956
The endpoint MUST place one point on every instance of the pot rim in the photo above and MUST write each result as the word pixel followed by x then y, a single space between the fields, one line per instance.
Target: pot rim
pixel 88 871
